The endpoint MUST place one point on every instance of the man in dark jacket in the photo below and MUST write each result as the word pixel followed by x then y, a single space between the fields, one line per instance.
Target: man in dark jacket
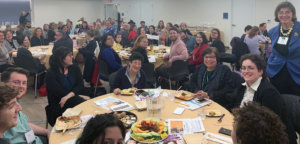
pixel 62 40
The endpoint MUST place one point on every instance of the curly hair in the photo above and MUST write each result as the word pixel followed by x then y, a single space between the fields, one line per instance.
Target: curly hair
pixel 96 126
pixel 256 124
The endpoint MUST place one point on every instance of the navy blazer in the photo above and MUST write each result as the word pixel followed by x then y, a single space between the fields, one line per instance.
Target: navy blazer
pixel 292 61
pixel 122 82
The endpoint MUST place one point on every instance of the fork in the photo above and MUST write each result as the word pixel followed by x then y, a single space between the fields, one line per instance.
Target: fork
pixel 220 119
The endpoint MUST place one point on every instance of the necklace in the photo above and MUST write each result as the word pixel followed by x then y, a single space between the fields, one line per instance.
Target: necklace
pixel 288 33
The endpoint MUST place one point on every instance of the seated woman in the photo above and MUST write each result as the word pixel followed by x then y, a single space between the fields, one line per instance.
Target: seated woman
pixel 25 55
pixel 160 26
pixel 4 55
pixel 132 33
pixel 64 84
pixel 152 32
pixel 211 79
pixel 215 40
pixel 38 38
pixel 130 76
pixel 196 58
pixel 255 124
pixel 164 38
pixel 89 57
pixel 140 46
pixel 109 55
pixel 117 44
pixel 103 129
pixel 84 27
pixel 9 107
pixel 10 44
pixel 257 88
pixel 252 40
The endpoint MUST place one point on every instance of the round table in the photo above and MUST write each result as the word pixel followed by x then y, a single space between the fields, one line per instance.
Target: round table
pixel 43 50
pixel 89 107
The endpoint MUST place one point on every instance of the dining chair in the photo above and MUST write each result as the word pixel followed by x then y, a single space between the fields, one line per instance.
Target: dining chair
pixel 148 68
pixel 103 71
pixel 177 72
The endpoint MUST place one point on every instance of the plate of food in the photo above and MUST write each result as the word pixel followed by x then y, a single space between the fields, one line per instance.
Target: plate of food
pixel 127 92
pixel 183 95
pixel 149 131
pixel 64 123
pixel 213 113
pixel 128 118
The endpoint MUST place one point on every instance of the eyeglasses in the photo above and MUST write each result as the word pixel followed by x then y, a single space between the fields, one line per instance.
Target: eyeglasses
pixel 249 68
pixel 207 57
pixel 19 83
pixel 284 12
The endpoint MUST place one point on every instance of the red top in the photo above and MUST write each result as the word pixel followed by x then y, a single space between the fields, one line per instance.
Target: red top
pixel 132 35
pixel 197 55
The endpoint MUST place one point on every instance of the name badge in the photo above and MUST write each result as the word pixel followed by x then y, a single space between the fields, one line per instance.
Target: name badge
pixel 30 137
pixel 282 40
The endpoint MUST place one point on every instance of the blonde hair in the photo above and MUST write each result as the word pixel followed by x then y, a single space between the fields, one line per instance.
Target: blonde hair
pixel 35 30
pixel 137 41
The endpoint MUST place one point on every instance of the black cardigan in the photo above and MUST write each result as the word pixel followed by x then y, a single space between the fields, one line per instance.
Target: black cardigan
pixel 218 85
pixel 268 96
pixel 35 41
pixel 219 45
pixel 122 82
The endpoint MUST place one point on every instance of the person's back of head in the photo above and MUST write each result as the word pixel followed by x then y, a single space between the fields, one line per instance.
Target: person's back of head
pixel 253 31
pixel 255 124
pixel 98 129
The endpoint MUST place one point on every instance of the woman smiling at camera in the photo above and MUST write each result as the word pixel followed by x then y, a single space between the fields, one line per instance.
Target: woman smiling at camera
pixel 130 76
pixel 283 64
pixel 257 88
pixel 211 79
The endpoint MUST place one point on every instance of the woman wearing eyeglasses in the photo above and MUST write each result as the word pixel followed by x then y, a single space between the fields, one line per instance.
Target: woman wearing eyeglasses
pixel 283 64
pixel 211 79
pixel 257 88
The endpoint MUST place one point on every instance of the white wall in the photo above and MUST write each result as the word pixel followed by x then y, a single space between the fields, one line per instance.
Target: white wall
pixel 46 11
pixel 193 12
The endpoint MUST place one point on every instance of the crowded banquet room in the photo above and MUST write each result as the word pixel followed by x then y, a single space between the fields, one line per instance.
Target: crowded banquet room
pixel 149 71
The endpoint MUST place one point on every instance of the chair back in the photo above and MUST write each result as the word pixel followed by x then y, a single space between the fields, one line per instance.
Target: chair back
pixel 148 68
pixel 103 67
pixel 292 104
pixel 178 70
pixel 26 63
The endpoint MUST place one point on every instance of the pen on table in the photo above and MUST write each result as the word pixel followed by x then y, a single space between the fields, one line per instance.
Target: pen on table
pixel 179 88
pixel 181 103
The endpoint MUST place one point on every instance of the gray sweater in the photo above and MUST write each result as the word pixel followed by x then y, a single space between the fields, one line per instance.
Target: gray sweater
pixel 4 56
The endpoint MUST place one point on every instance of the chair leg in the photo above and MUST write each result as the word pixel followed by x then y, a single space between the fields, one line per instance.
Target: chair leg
pixel 35 85
pixel 96 86
pixel 46 123
pixel 170 84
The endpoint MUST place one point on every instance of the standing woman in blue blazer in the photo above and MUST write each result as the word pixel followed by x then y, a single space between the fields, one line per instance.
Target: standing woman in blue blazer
pixel 284 63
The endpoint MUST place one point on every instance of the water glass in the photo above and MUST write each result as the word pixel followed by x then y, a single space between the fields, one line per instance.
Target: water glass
pixel 154 107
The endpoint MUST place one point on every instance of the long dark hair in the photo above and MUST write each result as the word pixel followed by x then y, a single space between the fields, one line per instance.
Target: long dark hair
pixel 56 60
pixel 219 34
pixel 103 40
pixel 203 36
pixel 96 126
